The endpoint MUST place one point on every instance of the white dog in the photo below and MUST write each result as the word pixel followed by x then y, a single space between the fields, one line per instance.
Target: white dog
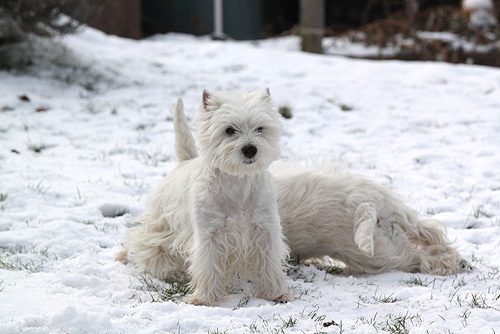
pixel 350 218
pixel 215 217
pixel 328 212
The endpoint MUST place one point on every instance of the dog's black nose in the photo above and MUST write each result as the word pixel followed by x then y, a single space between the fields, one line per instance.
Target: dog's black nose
pixel 249 150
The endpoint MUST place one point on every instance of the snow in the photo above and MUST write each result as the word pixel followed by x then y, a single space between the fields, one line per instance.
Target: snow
pixel 478 4
pixel 481 13
pixel 73 177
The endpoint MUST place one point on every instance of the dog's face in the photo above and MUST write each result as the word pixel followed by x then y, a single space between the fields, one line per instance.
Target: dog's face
pixel 238 133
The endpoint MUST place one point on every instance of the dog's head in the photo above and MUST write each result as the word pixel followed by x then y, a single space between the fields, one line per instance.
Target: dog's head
pixel 238 132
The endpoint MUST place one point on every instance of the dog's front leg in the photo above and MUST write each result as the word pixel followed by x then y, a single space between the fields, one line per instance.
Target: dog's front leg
pixel 208 263
pixel 271 258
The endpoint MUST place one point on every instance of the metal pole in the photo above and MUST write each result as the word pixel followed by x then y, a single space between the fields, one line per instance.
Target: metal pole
pixel 218 20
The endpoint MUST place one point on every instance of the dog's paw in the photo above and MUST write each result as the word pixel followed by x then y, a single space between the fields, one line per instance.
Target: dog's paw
pixel 122 256
pixel 198 301
pixel 285 297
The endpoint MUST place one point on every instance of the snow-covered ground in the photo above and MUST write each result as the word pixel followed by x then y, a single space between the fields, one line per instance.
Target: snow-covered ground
pixel 86 135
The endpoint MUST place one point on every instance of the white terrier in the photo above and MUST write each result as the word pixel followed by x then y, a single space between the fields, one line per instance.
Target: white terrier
pixel 215 217
pixel 334 213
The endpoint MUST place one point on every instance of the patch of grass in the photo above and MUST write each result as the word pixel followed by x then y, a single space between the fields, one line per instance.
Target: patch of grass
pixel 15 265
pixel 3 197
pixel 285 111
pixel 465 316
pixel 273 325
pixel 298 272
pixel 152 157
pixel 416 281
pixel 479 211
pixel 218 332
pixel 372 322
pixel 117 150
pixel 315 316
pixel 305 292
pixel 37 148
pixel 39 188
pixel 159 293
pixel 23 259
pixel 455 296
pixel 458 284
pixel 149 157
pixel 475 300
pixel 479 301
pixel 345 107
pixel 288 323
pixel 243 302
pixel 91 108
pixel 400 323
pixel 379 299
pixel 104 227
pixel 178 331
pixel 386 299
pixel 475 259
pixel 142 126
pixel 279 325
pixel 394 324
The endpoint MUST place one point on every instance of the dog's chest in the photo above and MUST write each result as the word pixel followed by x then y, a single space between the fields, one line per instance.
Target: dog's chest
pixel 241 203
pixel 235 206
pixel 240 200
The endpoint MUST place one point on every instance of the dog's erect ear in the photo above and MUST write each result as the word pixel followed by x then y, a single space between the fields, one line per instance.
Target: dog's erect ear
pixel 211 102
pixel 265 95
pixel 206 97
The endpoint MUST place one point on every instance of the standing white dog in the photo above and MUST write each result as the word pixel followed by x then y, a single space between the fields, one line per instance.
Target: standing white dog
pixel 328 212
pixel 215 217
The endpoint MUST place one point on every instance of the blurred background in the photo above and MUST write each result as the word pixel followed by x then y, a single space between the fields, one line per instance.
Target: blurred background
pixel 460 31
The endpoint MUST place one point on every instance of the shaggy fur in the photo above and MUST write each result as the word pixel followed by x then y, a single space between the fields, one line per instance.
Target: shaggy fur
pixel 215 217
pixel 328 212
pixel 363 224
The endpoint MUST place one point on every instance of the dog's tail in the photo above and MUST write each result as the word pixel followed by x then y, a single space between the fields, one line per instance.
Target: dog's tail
pixel 185 148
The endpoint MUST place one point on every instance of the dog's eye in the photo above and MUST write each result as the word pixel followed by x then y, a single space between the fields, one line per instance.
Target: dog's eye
pixel 230 131
pixel 259 129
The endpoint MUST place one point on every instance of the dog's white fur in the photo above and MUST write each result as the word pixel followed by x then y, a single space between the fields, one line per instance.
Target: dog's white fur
pixel 353 219
pixel 331 212
pixel 215 217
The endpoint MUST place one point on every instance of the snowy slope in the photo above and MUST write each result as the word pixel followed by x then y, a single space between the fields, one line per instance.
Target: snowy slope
pixel 75 174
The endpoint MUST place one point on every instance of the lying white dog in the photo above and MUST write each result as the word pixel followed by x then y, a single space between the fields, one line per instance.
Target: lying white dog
pixel 350 218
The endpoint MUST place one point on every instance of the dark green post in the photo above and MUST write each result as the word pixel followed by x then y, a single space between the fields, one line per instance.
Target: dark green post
pixel 312 25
